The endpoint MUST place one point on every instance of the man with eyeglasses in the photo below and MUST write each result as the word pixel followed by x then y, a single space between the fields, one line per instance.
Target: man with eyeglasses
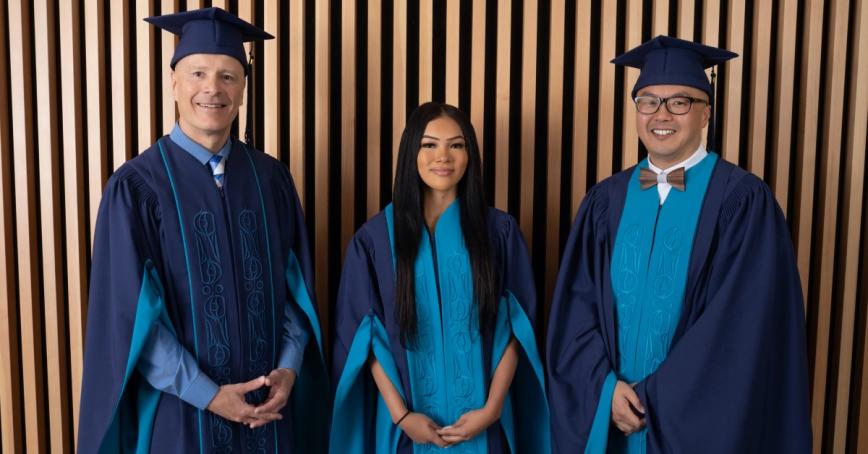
pixel 677 323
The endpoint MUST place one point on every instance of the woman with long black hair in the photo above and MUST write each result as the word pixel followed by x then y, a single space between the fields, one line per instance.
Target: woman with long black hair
pixel 434 343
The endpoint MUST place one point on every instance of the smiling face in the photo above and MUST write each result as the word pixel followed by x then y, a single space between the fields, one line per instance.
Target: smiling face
pixel 442 158
pixel 208 89
pixel 670 138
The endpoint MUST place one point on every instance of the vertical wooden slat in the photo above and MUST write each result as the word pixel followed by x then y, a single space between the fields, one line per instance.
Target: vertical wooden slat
pixel 54 335
pixel 194 4
pixel 633 29
pixel 809 91
pixel 245 11
pixel 219 3
pixel 73 175
pixel 167 49
pixel 374 117
pixel 321 147
pixel 581 103
pixel 711 37
pixel 660 21
pixel 296 96
pixel 528 117
pixel 606 103
pixel 477 71
pixel 501 126
pixel 146 80
pixel 97 104
pixel 759 81
pixel 122 146
pixel 851 224
pixel 711 22
pixel 399 77
pixel 829 182
pixel 730 127
pixel 23 131
pixel 453 10
pixel 273 82
pixel 555 133
pixel 10 382
pixel 686 14
pixel 348 120
pixel 785 61
pixel 426 50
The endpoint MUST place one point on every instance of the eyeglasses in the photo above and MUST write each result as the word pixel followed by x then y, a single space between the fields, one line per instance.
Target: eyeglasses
pixel 676 105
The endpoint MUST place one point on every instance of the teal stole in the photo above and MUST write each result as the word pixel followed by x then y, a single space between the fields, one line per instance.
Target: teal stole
pixel 445 364
pixel 648 271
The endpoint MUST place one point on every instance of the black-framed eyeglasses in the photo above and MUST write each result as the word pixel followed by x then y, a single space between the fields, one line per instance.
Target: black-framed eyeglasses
pixel 676 105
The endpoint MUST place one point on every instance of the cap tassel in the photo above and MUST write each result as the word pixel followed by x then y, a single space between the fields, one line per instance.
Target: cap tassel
pixel 248 130
pixel 712 139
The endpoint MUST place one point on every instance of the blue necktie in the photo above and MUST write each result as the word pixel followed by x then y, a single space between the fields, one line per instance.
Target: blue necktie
pixel 216 163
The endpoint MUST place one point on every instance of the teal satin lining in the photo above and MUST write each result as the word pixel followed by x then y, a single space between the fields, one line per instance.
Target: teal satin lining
pixel 135 414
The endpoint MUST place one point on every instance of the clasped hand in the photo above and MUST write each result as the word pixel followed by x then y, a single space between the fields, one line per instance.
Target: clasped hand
pixel 230 404
pixel 624 401
pixel 422 430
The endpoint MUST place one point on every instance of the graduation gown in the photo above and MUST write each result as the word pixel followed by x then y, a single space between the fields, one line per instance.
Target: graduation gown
pixel 365 324
pixel 735 376
pixel 216 267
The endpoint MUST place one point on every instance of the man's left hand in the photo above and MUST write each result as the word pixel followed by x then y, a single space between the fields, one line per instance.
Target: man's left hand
pixel 280 383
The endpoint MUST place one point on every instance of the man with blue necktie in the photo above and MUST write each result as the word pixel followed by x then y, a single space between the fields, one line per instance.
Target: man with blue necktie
pixel 677 323
pixel 202 330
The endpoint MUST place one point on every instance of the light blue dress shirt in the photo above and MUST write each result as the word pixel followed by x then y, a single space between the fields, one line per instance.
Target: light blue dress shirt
pixel 169 367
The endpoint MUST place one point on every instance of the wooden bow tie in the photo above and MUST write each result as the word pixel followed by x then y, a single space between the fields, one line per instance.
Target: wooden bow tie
pixel 648 178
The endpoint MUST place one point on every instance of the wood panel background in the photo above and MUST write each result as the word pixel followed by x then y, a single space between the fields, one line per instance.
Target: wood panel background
pixel 84 86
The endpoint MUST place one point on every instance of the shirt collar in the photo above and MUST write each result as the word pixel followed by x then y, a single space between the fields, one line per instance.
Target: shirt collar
pixel 199 152
pixel 694 159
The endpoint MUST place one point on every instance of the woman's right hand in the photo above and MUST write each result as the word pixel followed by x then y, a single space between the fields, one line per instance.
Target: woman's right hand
pixel 422 430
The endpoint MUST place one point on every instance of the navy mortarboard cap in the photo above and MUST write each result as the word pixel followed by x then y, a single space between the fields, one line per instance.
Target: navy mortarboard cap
pixel 671 61
pixel 209 31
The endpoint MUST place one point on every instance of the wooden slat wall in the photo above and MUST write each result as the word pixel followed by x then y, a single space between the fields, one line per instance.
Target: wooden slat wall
pixel 85 85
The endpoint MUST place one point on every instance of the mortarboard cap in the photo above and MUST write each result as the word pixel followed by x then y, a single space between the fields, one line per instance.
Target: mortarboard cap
pixel 209 31
pixel 671 61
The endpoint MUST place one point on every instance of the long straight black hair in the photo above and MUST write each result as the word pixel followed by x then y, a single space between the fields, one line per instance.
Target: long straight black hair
pixel 407 203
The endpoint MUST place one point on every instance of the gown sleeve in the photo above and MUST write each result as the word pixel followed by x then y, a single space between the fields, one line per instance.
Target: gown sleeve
pixel 309 398
pixel 525 416
pixel 295 338
pixel 171 368
pixel 361 422
pixel 581 377
pixel 736 380
pixel 126 301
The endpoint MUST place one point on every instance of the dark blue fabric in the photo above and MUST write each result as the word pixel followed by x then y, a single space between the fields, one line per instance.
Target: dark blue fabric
pixel 224 289
pixel 209 31
pixel 735 378
pixel 665 60
pixel 368 288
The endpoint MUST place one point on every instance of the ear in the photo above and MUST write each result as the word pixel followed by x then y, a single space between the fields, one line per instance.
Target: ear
pixel 706 115
pixel 174 85
pixel 243 91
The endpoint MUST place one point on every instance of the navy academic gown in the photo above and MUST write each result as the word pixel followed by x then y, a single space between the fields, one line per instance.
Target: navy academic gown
pixel 365 324
pixel 735 378
pixel 216 267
